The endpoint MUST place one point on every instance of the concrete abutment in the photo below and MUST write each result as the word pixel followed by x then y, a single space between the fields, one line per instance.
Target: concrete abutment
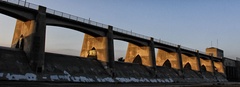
pixel 143 51
pixel 99 43
pixel 163 56
pixel 102 45
pixel 33 39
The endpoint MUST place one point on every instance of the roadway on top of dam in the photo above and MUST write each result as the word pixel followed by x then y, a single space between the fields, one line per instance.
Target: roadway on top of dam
pixel 27 11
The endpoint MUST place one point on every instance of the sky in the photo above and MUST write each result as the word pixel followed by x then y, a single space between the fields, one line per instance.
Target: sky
pixel 196 24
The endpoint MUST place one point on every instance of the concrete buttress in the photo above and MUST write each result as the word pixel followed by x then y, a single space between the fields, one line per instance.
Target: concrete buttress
pixel 143 51
pixel 207 63
pixel 191 60
pixel 99 43
pixel 110 48
pixel 163 56
pixel 103 45
pixel 219 67
pixel 33 32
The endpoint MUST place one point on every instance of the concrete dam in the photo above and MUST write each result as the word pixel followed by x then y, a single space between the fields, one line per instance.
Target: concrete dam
pixel 27 60
pixel 62 68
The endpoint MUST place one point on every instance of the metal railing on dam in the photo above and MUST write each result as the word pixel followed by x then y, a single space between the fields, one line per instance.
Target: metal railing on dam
pixel 90 22
pixel 23 3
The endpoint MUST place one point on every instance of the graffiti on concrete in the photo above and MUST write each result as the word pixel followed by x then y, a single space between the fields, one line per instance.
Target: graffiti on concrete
pixel 27 76
pixel 131 79
pixel 1 74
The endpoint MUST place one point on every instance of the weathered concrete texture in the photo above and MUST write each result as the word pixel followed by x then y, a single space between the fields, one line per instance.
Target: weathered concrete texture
pixel 192 76
pixel 207 64
pixel 99 43
pixel 57 65
pixel 191 60
pixel 13 61
pixel 132 70
pixel 64 68
pixel 209 76
pixel 219 67
pixel 142 51
pixel 23 28
pixel 129 72
pixel 163 56
pixel 33 32
pixel 221 77
pixel 14 65
pixel 168 73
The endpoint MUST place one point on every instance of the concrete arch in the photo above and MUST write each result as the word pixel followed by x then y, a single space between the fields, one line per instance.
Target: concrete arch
pixel 18 12
pixel 99 43
pixel 75 25
pixel 137 60
pixel 207 63
pixel 167 63
pixel 63 42
pixel 121 46
pixel 130 40
pixel 190 60
pixel 163 56
pixel 188 66
pixel 142 51
pixel 165 48
pixel 190 54
pixel 203 68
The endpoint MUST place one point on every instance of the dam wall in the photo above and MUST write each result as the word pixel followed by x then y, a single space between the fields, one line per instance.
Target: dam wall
pixel 14 66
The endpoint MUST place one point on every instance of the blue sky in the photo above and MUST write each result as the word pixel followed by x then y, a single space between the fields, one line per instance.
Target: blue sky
pixel 191 23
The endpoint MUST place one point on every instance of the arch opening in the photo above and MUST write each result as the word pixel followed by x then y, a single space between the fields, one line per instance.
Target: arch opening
pixel 7 27
pixel 63 41
pixel 163 56
pixel 188 66
pixel 203 68
pixel 192 60
pixel 167 63
pixel 137 60
pixel 120 50
pixel 207 64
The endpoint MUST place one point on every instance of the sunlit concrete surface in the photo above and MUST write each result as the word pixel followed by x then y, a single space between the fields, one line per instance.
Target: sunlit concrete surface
pixel 142 51
pixel 191 60
pixel 207 64
pixel 163 56
pixel 99 43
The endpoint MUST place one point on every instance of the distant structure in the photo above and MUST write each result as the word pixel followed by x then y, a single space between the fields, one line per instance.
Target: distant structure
pixel 215 52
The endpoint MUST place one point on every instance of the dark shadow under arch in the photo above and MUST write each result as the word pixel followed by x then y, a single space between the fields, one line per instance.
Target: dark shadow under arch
pixel 167 63
pixel 188 66
pixel 203 68
pixel 137 59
